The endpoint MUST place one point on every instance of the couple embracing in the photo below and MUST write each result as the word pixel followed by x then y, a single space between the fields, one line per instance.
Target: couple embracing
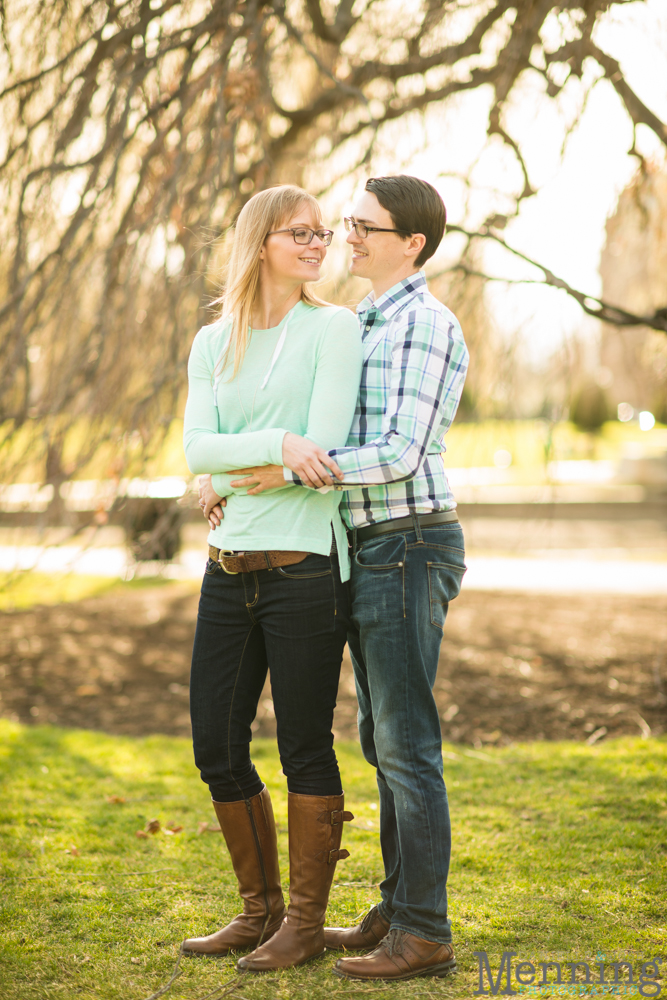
pixel 320 439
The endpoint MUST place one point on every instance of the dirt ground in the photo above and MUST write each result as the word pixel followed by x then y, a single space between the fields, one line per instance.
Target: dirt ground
pixel 513 666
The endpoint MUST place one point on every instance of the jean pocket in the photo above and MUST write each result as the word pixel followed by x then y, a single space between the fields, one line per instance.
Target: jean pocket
pixel 444 584
pixel 311 568
pixel 382 553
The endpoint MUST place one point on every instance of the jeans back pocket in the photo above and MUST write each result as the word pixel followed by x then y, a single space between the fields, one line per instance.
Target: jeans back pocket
pixel 444 584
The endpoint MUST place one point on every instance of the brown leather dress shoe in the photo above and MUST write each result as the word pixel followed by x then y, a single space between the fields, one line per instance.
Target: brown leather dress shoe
pixel 364 936
pixel 399 955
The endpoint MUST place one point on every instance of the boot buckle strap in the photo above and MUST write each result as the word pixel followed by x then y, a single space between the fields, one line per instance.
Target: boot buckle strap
pixel 331 856
pixel 336 816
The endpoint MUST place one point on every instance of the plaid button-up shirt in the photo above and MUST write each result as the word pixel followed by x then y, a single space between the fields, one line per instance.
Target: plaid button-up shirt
pixel 415 362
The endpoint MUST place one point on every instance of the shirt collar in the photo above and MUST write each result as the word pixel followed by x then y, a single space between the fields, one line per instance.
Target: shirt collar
pixel 394 298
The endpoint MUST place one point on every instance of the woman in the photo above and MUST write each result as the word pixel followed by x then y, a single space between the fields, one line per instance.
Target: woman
pixel 278 363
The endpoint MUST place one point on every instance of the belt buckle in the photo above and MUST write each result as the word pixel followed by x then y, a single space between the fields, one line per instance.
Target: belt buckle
pixel 227 552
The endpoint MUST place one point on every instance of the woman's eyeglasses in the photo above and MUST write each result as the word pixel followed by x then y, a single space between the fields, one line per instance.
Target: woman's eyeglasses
pixel 362 231
pixel 304 235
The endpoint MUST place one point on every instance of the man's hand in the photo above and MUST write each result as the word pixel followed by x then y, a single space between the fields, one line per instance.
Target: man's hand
pixel 260 477
pixel 311 463
pixel 209 501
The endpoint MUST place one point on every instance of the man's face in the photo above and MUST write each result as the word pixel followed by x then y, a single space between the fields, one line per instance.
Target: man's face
pixel 379 254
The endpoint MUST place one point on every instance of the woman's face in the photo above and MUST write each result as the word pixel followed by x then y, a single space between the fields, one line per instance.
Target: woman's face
pixel 285 260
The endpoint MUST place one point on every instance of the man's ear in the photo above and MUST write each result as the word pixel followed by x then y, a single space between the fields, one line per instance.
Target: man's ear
pixel 414 245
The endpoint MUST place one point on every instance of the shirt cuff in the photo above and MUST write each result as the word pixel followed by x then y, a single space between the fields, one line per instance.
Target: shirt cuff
pixel 276 447
pixel 291 477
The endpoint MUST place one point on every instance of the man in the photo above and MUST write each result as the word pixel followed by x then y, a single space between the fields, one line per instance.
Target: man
pixel 407 565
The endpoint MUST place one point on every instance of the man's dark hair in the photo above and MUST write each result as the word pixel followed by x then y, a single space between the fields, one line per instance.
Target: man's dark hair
pixel 415 207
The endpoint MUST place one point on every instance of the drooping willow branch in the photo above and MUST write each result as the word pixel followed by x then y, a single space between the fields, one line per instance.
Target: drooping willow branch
pixel 591 304
pixel 129 130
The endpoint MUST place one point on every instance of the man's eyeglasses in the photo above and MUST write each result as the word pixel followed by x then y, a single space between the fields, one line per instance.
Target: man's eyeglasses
pixel 362 231
pixel 304 235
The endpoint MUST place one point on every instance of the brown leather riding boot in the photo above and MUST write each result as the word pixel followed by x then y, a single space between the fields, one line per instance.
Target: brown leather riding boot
pixel 364 936
pixel 315 831
pixel 249 830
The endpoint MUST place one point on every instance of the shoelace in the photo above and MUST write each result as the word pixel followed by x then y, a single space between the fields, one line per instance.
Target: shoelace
pixel 393 942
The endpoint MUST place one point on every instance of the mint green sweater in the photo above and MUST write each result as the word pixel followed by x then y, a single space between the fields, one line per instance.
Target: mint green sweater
pixel 311 390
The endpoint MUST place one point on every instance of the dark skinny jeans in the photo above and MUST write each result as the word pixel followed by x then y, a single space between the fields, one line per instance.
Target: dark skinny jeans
pixel 291 621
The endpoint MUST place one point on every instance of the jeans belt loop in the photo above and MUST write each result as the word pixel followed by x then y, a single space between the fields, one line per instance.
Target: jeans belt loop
pixel 417 526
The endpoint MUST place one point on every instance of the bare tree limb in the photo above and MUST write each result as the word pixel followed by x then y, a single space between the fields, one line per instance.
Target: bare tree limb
pixel 128 130
pixel 591 304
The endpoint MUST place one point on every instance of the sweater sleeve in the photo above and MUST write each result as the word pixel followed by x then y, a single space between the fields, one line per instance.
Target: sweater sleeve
pixel 206 449
pixel 336 384
pixel 335 390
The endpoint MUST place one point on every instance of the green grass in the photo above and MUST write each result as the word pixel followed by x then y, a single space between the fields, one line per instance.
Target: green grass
pixel 468 444
pixel 23 589
pixel 474 444
pixel 560 852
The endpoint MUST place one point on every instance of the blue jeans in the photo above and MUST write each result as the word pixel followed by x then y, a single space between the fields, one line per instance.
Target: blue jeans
pixel 293 622
pixel 401 585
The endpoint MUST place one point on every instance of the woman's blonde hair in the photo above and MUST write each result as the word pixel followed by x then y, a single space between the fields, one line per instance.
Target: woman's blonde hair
pixel 264 212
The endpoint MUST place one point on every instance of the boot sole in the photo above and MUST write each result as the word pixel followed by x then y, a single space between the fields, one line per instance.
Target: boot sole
pixel 222 954
pixel 206 954
pixel 188 953
pixel 277 968
pixel 436 971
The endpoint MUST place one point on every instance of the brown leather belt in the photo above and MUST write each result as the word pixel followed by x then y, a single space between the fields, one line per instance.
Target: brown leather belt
pixel 250 562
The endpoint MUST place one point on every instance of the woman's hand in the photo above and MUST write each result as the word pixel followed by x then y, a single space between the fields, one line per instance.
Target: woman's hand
pixel 260 477
pixel 311 463
pixel 209 501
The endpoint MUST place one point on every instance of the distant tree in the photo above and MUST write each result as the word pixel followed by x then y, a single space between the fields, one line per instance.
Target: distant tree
pixel 590 409
pixel 633 267
pixel 131 132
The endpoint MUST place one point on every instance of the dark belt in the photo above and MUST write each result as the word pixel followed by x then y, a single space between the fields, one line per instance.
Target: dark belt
pixel 250 562
pixel 405 524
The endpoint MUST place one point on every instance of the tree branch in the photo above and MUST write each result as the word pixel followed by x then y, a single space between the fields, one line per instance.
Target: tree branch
pixel 639 113
pixel 591 304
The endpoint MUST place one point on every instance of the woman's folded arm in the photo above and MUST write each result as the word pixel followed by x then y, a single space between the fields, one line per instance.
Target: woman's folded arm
pixel 206 449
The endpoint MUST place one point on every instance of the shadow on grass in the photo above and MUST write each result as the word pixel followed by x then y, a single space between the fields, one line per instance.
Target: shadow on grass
pixel 559 852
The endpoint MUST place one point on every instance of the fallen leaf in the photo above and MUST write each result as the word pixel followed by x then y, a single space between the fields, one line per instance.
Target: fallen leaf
pixel 141 834
pixel 153 826
pixel 208 828
pixel 87 690
pixel 135 961
pixel 173 828
pixel 74 851
pixel 115 800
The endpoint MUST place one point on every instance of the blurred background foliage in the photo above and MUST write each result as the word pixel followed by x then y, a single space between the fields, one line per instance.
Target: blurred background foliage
pixel 132 132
